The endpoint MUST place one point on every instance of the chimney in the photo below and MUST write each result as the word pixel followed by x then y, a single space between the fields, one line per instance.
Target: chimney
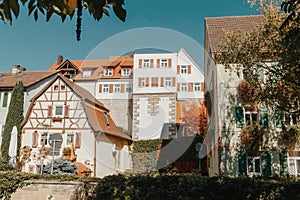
pixel 60 59
pixel 17 69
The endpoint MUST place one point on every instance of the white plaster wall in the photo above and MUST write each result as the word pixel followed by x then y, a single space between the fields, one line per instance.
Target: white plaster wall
pixel 89 85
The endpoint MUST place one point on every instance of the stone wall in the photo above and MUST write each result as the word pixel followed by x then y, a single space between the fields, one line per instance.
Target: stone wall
pixel 51 190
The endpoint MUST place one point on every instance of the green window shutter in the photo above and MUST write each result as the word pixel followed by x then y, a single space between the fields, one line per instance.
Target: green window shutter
pixel 242 160
pixel 278 118
pixel 239 116
pixel 266 163
pixel 283 163
pixel 264 117
pixel 5 99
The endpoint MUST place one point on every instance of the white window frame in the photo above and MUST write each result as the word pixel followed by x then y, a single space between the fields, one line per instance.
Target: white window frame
pixel 250 113
pixel 164 63
pixel 291 118
pixel 197 87
pixel 296 171
pixel 128 88
pixel 126 72
pixel 146 63
pixel 44 135
pixel 183 87
pixel 86 73
pixel 168 82
pixel 117 88
pixel 183 69
pixel 105 88
pixel 253 172
pixel 108 72
pixel 68 142
pixel 143 82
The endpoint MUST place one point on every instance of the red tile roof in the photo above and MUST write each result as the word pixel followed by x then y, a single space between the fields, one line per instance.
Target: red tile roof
pixel 217 27
pixel 28 78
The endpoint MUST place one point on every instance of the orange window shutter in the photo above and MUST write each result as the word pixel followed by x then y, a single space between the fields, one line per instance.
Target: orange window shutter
pixel 140 82
pixel 123 88
pixel 151 63
pixel 35 140
pixel 158 63
pixel 78 140
pixel 140 63
pixel 169 62
pixel 178 69
pixel 178 87
pixel 147 81
pixel 67 110
pixel 173 81
pixel 50 111
pixel 190 87
pixel 100 88
pixel 189 69
pixel 202 87
pixel 111 88
pixel 162 81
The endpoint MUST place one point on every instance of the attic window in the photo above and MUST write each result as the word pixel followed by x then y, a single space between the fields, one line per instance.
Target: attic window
pixel 106 118
pixel 86 73
pixel 62 87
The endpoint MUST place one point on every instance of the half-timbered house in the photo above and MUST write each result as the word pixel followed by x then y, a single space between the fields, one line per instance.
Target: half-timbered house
pixel 85 125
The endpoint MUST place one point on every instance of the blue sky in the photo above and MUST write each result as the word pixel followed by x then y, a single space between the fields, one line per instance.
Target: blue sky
pixel 35 45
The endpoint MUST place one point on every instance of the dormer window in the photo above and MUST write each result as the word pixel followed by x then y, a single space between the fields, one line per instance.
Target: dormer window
pixel 86 73
pixel 106 118
pixel 126 72
pixel 108 72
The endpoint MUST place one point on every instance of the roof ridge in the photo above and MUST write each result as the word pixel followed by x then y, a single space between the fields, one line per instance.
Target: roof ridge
pixel 234 16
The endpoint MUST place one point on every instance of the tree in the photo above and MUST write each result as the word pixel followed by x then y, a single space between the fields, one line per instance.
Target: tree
pixel 14 118
pixel 62 8
pixel 270 53
pixel 292 7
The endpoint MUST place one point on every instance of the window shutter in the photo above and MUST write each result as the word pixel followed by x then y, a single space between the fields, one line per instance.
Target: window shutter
pixel 151 63
pixel 158 63
pixel 178 69
pixel 242 160
pixel 100 88
pixel 140 63
pixel 263 117
pixel 189 69
pixel 111 88
pixel 140 82
pixel 239 116
pixel 50 108
pixel 154 81
pixel 169 62
pixel 147 81
pixel 202 87
pixel 78 140
pixel 173 81
pixel 162 81
pixel 122 88
pixel 283 163
pixel 178 87
pixel 35 137
pixel 266 163
pixel 190 87
pixel 67 109
pixel 278 118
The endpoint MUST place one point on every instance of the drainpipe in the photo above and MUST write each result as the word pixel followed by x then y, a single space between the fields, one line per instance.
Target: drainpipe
pixel 95 160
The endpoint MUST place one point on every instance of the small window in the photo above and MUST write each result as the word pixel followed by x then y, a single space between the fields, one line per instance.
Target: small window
pixel 164 63
pixel 253 166
pixel 183 87
pixel 62 87
pixel 146 63
pixel 294 166
pixel 106 118
pixel 108 72
pixel 86 73
pixel 250 116
pixel 55 87
pixel 70 138
pixel 105 88
pixel 126 72
pixel 128 88
pixel 5 100
pixel 143 82
pixel 183 69
pixel 117 88
pixel 58 110
pixel 44 138
pixel 168 82
pixel 197 87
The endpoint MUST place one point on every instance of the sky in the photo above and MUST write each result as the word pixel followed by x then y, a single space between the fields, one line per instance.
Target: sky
pixel 157 24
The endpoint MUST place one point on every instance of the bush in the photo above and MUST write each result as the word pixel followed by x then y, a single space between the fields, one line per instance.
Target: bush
pixel 290 136
pixel 60 166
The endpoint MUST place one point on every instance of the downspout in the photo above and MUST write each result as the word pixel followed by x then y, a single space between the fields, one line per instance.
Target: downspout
pixel 95 159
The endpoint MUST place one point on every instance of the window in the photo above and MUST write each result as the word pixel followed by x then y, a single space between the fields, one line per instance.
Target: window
pixel 290 119
pixel 250 116
pixel 56 87
pixel 105 88
pixel 143 82
pixel 146 63
pixel 126 72
pixel 108 72
pixel 253 165
pixel 86 73
pixel 117 88
pixel 164 63
pixel 58 111
pixel 183 87
pixel 70 138
pixel 128 88
pixel 5 99
pixel 294 166
pixel 197 87
pixel 62 87
pixel 44 138
pixel 106 118
pixel 168 82
pixel 183 69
